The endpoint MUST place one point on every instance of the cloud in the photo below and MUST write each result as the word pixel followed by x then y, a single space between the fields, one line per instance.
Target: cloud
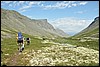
pixel 74 4
pixel 47 6
pixel 58 5
pixel 7 2
pixel 83 3
pixel 18 3
pixel 30 5
pixel 69 6
pixel 2 3
pixel 14 2
pixel 63 4
pixel 25 7
pixel 71 25
pixel 23 4
pixel 35 3
pixel 10 5
pixel 44 4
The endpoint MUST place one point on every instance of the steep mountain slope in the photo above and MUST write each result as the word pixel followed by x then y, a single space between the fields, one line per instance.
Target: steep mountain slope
pixel 91 31
pixel 13 21
pixel 62 33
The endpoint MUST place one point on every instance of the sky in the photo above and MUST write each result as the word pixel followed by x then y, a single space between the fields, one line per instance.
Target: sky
pixel 69 16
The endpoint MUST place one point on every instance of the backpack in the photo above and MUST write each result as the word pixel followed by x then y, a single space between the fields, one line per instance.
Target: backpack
pixel 20 37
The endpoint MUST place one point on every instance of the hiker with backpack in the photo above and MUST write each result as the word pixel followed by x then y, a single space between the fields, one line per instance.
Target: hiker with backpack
pixel 20 41
pixel 27 41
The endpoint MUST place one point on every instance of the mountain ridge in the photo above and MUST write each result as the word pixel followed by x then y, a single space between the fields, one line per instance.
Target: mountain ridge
pixel 91 31
pixel 11 19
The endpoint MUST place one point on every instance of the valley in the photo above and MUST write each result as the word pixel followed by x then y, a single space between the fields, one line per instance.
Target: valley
pixel 49 46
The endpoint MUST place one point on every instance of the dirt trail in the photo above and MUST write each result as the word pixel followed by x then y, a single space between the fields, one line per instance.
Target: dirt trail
pixel 14 59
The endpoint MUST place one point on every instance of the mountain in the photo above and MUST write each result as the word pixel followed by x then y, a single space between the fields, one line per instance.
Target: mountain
pixel 62 33
pixel 13 21
pixel 91 31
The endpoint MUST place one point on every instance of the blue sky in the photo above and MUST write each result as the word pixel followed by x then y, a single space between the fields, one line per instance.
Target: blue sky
pixel 69 16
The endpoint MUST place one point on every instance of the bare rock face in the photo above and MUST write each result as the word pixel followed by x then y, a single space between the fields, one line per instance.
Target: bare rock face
pixel 13 20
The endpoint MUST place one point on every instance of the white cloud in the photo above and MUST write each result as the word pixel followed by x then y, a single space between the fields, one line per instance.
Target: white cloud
pixel 56 5
pixel 21 2
pixel 25 7
pixel 74 4
pixel 10 5
pixel 34 3
pixel 69 6
pixel 30 5
pixel 7 2
pixel 63 4
pixel 83 3
pixel 14 2
pixel 71 25
pixel 42 5
pixel 47 6
pixel 2 3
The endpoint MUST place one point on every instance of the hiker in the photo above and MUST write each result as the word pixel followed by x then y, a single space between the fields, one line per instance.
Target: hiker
pixel 20 42
pixel 28 41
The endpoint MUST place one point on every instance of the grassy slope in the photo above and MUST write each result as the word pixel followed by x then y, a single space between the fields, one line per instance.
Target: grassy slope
pixel 9 46
pixel 94 44
pixel 88 33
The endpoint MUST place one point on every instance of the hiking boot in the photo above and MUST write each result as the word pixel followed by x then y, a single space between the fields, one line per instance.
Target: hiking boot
pixel 22 49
